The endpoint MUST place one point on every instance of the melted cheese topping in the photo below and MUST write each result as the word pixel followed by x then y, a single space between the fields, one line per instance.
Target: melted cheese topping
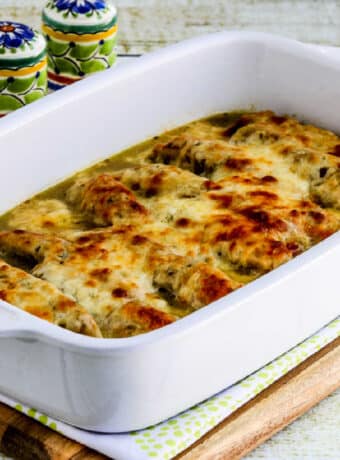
pixel 44 216
pixel 44 300
pixel 202 211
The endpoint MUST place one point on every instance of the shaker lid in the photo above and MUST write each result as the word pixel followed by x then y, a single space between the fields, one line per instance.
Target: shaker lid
pixel 80 16
pixel 20 45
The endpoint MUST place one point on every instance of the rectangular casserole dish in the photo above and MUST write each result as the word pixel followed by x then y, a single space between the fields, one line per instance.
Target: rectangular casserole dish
pixel 112 385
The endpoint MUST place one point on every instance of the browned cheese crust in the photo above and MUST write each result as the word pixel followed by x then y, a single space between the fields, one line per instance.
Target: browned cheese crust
pixel 44 300
pixel 197 217
pixel 121 277
pixel 274 181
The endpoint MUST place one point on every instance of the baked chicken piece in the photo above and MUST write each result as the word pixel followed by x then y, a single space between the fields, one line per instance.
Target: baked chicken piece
pixel 237 220
pixel 302 160
pixel 106 201
pixel 42 299
pixel 201 157
pixel 312 153
pixel 122 278
pixel 299 161
pixel 260 231
pixel 264 128
pixel 47 216
pixel 157 179
pixel 327 191
pixel 321 170
pixel 218 160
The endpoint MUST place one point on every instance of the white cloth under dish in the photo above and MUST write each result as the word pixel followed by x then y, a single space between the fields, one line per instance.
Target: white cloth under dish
pixel 167 439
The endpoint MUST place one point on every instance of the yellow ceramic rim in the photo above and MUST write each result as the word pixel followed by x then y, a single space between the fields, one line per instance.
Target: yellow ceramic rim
pixel 25 71
pixel 70 37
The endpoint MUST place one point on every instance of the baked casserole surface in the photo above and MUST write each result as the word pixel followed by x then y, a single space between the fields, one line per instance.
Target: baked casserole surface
pixel 171 225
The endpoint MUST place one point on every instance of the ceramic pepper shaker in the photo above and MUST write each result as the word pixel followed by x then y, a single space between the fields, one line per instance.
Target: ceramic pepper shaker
pixel 23 66
pixel 81 39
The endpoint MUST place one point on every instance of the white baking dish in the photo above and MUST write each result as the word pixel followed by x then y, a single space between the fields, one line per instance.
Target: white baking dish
pixel 124 384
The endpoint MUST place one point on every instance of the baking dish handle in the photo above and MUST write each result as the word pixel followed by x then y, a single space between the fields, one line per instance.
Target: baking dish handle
pixel 14 322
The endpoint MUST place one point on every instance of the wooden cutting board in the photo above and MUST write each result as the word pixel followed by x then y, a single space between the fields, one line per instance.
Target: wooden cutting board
pixel 288 398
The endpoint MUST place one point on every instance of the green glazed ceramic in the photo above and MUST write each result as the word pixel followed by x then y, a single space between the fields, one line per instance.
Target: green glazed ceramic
pixel 81 39
pixel 23 66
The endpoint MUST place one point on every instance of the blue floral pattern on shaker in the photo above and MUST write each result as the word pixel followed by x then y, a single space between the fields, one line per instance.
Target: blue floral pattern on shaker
pixel 80 6
pixel 13 34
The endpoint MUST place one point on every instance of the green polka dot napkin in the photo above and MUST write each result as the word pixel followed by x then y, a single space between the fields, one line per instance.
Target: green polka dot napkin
pixel 165 440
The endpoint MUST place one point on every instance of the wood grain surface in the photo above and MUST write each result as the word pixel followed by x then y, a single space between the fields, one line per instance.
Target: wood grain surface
pixel 148 24
pixel 25 439
pixel 273 409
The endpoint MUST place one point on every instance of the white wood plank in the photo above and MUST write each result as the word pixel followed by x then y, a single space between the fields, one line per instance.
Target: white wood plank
pixel 149 24
pixel 315 436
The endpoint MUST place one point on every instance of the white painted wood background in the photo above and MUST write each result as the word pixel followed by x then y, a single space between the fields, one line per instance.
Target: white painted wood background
pixel 149 24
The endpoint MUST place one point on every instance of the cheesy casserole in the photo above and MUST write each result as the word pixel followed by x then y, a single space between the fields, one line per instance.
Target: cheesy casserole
pixel 147 237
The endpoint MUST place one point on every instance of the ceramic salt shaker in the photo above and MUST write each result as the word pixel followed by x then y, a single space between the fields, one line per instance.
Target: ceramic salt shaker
pixel 23 66
pixel 81 39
